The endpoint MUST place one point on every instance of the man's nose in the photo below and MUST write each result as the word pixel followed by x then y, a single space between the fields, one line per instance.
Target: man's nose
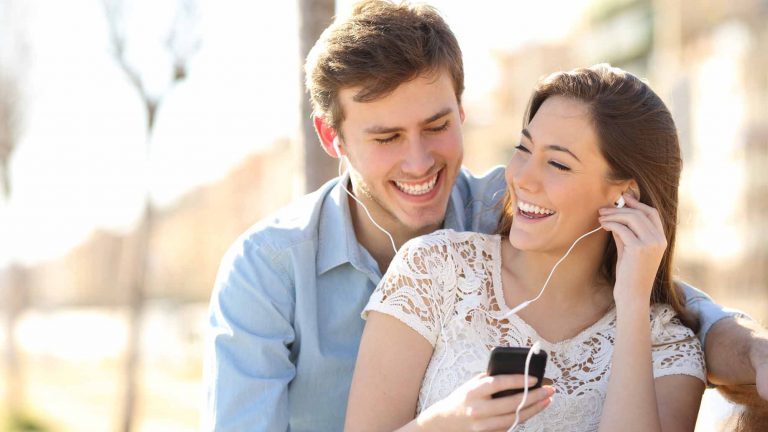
pixel 418 159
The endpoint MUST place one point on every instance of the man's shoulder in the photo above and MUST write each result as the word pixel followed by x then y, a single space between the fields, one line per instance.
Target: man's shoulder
pixel 492 177
pixel 487 188
pixel 295 223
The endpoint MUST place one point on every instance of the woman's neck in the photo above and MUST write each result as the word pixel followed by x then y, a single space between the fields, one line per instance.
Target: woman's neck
pixel 576 280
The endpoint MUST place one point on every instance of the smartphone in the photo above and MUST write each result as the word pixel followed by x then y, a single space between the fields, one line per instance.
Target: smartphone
pixel 511 361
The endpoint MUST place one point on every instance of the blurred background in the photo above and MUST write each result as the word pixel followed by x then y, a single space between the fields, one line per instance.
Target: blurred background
pixel 139 138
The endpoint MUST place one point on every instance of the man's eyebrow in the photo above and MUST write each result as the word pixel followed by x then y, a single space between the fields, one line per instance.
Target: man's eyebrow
pixel 442 113
pixel 385 130
pixel 554 147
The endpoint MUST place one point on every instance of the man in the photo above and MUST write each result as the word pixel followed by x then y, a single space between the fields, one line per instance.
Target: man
pixel 386 84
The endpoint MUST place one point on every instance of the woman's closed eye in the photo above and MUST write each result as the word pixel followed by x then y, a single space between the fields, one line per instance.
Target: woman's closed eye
pixel 559 166
pixel 555 164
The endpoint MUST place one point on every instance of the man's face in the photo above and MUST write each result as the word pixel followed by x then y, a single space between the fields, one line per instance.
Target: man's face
pixel 405 151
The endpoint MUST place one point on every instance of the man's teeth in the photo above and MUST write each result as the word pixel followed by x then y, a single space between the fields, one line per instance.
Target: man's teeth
pixel 419 189
pixel 531 208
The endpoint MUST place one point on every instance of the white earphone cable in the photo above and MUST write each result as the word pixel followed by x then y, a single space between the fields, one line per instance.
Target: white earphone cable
pixel 534 350
pixel 525 304
pixel 391 239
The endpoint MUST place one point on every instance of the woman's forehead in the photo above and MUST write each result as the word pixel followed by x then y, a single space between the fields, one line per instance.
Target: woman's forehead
pixel 565 122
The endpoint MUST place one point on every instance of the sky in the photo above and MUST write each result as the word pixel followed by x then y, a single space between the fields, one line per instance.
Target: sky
pixel 81 162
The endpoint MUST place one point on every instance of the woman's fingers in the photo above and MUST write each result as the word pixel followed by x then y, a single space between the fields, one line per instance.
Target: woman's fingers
pixel 489 385
pixel 644 221
pixel 503 422
pixel 508 404
pixel 643 229
pixel 621 230
pixel 649 211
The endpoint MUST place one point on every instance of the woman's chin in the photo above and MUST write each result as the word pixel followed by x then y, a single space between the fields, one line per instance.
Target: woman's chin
pixel 524 241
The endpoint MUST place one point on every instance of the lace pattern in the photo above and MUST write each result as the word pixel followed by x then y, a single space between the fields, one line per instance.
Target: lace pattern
pixel 446 286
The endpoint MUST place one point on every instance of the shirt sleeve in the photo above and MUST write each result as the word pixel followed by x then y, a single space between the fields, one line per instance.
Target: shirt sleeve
pixel 247 366
pixel 411 290
pixel 706 310
pixel 676 350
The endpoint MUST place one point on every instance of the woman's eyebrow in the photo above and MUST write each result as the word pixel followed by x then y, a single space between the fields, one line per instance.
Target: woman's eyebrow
pixel 554 147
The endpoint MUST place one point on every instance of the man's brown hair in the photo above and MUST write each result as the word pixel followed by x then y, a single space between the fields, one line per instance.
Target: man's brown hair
pixel 380 46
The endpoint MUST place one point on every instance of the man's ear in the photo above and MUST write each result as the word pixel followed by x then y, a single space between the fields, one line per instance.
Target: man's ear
pixel 326 134
pixel 461 113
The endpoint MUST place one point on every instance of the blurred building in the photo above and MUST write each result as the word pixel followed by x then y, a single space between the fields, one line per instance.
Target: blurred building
pixel 188 241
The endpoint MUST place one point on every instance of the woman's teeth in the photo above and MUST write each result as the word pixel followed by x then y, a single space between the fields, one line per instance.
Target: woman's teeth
pixel 534 209
pixel 417 189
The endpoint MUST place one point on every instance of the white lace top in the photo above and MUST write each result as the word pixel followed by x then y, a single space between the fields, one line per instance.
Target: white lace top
pixel 447 287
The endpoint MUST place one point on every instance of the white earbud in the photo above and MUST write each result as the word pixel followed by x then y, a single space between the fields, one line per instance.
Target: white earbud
pixel 620 202
pixel 336 146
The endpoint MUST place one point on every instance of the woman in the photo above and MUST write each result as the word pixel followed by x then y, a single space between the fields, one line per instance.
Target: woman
pixel 615 363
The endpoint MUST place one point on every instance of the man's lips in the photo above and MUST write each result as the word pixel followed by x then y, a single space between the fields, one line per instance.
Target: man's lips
pixel 421 188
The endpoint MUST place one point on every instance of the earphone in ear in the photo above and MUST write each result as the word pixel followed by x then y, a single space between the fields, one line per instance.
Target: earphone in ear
pixel 336 146
pixel 620 203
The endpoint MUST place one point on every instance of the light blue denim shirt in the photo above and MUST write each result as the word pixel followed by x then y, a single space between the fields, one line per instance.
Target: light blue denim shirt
pixel 284 322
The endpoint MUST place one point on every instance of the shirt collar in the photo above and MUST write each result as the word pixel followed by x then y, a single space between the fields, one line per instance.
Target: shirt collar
pixel 337 242
pixel 453 213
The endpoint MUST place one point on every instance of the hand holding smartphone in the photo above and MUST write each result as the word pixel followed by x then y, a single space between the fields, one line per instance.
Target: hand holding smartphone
pixel 511 361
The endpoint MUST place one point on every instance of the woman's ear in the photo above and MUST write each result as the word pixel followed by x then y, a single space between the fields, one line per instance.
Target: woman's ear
pixel 626 187
pixel 633 189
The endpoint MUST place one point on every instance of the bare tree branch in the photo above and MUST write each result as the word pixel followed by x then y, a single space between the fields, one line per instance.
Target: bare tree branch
pixel 181 42
pixel 9 129
pixel 115 12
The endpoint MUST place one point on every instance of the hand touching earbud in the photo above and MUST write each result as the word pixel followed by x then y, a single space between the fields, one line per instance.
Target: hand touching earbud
pixel 640 242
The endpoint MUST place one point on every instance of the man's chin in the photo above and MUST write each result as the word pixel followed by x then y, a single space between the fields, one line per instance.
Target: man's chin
pixel 421 226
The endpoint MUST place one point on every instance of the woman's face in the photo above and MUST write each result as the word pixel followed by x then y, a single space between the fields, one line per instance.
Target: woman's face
pixel 557 178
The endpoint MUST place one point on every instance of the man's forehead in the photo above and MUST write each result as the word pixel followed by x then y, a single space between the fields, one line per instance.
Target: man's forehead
pixel 413 102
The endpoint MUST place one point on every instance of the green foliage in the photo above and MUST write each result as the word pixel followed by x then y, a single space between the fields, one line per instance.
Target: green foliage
pixel 23 422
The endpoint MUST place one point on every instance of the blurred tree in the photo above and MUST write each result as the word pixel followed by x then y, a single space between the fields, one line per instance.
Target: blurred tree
pixel 9 128
pixel 152 81
pixel 13 286
pixel 315 16
pixel 13 56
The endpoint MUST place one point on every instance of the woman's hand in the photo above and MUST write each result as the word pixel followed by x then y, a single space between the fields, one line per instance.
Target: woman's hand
pixel 471 408
pixel 640 242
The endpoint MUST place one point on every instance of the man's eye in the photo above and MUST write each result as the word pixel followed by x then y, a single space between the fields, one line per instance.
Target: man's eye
pixel 442 127
pixel 522 148
pixel 388 139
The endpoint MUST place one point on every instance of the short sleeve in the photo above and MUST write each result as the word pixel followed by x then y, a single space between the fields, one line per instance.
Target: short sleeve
pixel 413 290
pixel 676 349
pixel 707 311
